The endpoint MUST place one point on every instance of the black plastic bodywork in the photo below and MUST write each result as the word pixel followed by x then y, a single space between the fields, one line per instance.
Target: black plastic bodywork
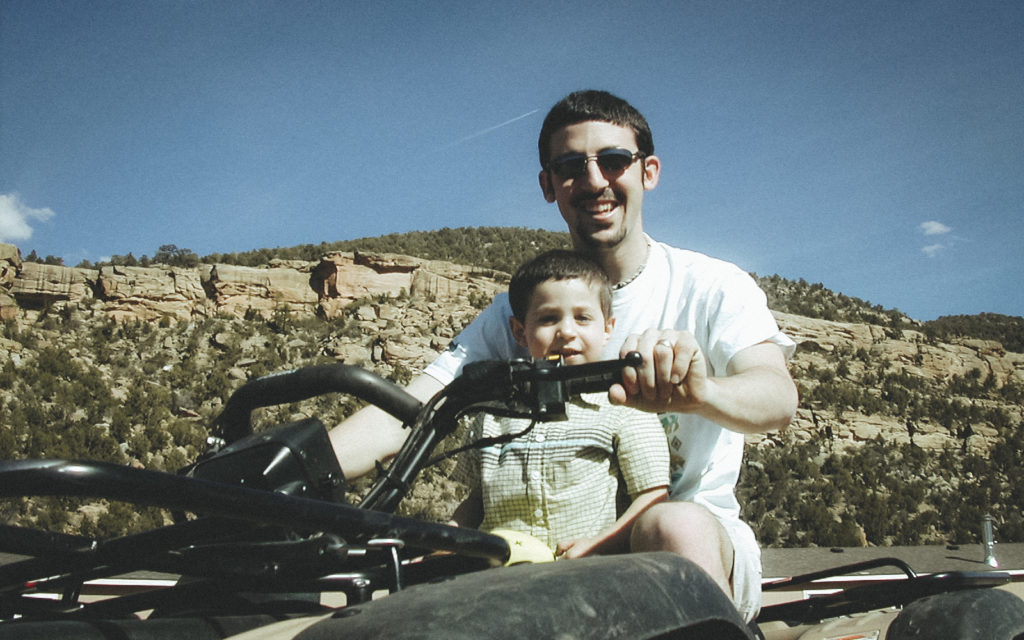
pixel 295 459
pixel 636 596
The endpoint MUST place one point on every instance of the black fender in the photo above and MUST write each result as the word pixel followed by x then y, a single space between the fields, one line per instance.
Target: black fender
pixel 633 596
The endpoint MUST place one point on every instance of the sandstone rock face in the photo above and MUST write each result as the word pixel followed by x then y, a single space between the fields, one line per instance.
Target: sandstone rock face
pixel 300 288
pixel 237 289
pixel 10 266
pixel 8 307
pixel 38 285
pixel 340 278
pixel 812 334
pixel 909 352
pixel 149 293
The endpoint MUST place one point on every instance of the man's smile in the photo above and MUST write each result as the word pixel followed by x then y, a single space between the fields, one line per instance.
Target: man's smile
pixel 598 208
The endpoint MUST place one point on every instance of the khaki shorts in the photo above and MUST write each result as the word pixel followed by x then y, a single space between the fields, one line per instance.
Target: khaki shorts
pixel 746 568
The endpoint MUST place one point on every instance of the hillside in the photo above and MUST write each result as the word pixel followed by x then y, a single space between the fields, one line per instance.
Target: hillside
pixel 908 433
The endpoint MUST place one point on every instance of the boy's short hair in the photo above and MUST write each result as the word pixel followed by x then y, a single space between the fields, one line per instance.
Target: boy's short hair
pixel 587 105
pixel 559 264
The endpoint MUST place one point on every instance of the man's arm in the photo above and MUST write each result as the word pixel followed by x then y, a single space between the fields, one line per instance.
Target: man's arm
pixel 371 434
pixel 757 393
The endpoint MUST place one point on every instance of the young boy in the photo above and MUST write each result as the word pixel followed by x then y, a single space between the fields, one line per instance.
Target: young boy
pixel 558 481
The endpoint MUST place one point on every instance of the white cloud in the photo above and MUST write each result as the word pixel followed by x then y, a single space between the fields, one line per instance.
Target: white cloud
pixel 933 228
pixel 15 218
pixel 932 249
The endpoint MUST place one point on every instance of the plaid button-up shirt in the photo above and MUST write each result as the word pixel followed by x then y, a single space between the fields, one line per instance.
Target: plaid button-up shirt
pixel 559 480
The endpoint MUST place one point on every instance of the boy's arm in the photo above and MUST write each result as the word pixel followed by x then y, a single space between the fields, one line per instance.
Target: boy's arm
pixel 615 538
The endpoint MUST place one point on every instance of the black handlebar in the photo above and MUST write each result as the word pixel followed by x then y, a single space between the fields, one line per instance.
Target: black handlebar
pixel 535 387
pixel 300 384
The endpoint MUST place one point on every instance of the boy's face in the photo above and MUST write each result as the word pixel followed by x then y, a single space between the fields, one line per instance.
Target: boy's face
pixel 564 319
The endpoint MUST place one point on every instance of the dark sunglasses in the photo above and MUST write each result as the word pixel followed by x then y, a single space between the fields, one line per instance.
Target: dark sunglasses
pixel 610 161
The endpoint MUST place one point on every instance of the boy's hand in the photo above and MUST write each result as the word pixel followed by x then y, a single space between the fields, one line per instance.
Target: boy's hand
pixel 673 376
pixel 576 548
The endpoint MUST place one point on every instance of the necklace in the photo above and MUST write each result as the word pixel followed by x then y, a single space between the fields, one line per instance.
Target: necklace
pixel 636 274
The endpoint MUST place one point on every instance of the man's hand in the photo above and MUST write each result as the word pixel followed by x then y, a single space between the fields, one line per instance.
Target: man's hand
pixel 755 395
pixel 673 376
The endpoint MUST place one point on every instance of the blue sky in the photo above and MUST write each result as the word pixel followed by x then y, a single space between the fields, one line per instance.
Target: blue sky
pixel 875 147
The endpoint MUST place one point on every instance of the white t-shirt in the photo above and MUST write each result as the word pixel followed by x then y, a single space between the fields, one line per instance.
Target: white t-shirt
pixel 716 301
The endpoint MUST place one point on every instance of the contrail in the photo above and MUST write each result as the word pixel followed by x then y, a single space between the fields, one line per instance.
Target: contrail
pixel 490 129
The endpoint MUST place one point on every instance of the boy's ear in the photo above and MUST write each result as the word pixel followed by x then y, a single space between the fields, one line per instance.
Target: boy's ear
pixel 518 331
pixel 609 326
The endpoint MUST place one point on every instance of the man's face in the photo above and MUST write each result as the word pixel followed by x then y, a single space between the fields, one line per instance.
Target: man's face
pixel 602 208
pixel 564 319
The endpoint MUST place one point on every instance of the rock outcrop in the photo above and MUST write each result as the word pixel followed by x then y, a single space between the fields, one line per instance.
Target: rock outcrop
pixel 236 290
pixel 37 286
pixel 148 293
pixel 10 267
pixel 908 349
pixel 822 343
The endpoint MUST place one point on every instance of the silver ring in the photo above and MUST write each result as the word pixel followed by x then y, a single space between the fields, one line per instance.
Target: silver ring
pixel 666 343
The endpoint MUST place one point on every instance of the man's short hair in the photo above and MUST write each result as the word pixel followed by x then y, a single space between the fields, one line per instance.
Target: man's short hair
pixel 584 106
pixel 559 264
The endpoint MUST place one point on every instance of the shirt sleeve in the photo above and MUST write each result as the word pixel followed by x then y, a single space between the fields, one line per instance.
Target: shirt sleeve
pixel 738 317
pixel 642 451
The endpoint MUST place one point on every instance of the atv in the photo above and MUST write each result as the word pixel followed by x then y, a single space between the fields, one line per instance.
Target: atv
pixel 264 542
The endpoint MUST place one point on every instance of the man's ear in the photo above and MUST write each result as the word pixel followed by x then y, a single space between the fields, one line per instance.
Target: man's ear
pixel 545 185
pixel 652 172
pixel 518 331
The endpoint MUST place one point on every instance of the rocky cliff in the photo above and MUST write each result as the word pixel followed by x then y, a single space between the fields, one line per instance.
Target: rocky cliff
pixel 865 355
pixel 150 293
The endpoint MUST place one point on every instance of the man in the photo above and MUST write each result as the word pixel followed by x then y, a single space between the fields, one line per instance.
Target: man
pixel 714 359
